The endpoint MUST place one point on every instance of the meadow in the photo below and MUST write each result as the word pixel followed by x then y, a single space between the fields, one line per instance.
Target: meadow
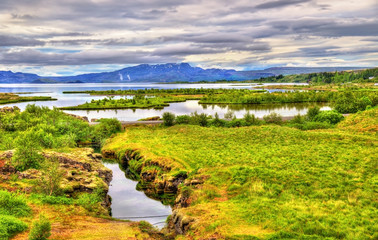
pixel 269 181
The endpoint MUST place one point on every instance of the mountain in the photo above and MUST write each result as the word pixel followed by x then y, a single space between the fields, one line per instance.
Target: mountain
pixel 11 77
pixel 169 72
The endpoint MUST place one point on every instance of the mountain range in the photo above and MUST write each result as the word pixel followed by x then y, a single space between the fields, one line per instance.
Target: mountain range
pixel 169 72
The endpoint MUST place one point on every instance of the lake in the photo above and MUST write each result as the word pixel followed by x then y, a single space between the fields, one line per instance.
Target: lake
pixel 65 100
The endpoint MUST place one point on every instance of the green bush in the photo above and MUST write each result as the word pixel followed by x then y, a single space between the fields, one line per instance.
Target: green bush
pixel 52 175
pixel 169 119
pixel 12 204
pixel 10 225
pixel 41 229
pixel 106 128
pixel 330 116
pixel 27 154
pixel 274 118
pixel 312 112
pixel 182 119
pixel 251 119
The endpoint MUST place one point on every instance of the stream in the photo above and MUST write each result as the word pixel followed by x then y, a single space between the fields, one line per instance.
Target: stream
pixel 131 204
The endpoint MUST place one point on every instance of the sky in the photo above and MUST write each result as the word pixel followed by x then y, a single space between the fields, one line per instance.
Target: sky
pixel 69 37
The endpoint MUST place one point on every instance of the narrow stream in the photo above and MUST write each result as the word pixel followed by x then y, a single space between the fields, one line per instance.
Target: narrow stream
pixel 128 203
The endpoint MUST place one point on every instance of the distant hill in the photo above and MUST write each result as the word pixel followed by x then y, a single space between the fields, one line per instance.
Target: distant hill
pixel 170 72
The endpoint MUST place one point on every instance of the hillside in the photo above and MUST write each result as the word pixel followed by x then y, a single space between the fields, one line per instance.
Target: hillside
pixel 170 72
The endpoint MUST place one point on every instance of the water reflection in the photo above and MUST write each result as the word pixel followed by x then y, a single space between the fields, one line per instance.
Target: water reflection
pixel 128 203
pixel 188 107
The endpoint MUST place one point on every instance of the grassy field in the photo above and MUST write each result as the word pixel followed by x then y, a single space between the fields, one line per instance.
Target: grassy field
pixel 271 182
pixel 14 98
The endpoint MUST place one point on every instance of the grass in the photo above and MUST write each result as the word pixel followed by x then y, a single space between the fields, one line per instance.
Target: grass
pixel 14 98
pixel 270 182
pixel 160 98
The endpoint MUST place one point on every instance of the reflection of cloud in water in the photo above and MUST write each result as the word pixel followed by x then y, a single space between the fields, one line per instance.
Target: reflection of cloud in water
pixel 259 110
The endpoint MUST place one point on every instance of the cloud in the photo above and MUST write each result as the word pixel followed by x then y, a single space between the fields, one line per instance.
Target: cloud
pixel 280 3
pixel 12 41
pixel 248 34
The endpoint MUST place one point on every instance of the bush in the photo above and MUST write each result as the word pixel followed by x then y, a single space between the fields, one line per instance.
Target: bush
pixel 274 118
pixel 199 119
pixel 330 116
pixel 298 119
pixel 52 175
pixel 229 115
pixel 312 112
pixel 106 128
pixel 27 151
pixel 41 229
pixel 169 119
pixel 182 119
pixel 11 204
pixel 10 225
pixel 217 122
pixel 251 119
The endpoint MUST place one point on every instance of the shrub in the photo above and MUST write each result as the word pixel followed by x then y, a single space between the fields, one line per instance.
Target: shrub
pixel 41 229
pixel 199 119
pixel 229 115
pixel 52 175
pixel 330 116
pixel 10 225
pixel 251 119
pixel 298 119
pixel 312 112
pixel 273 118
pixel 27 151
pixel 217 122
pixel 182 119
pixel 169 119
pixel 12 204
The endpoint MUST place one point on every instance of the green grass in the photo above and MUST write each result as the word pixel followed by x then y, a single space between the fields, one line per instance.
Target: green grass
pixel 12 206
pixel 270 182
pixel 14 98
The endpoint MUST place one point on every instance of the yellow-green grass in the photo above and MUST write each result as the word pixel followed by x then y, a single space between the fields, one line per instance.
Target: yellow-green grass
pixel 269 182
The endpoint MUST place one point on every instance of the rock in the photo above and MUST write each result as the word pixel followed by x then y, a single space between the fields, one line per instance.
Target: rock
pixel 9 109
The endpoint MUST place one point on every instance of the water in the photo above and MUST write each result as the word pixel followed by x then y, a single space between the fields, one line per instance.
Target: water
pixel 64 100
pixel 128 203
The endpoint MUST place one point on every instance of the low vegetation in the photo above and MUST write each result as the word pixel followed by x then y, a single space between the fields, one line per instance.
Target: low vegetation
pixel 355 76
pixel 269 181
pixel 345 100
pixel 14 98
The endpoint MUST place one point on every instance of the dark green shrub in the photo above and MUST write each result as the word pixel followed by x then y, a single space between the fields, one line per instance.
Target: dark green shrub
pixel 41 229
pixel 199 119
pixel 274 118
pixel 182 119
pixel 251 119
pixel 217 122
pixel 12 204
pixel 106 128
pixel 298 119
pixel 312 112
pixel 169 119
pixel 27 154
pixel 330 116
pixel 10 225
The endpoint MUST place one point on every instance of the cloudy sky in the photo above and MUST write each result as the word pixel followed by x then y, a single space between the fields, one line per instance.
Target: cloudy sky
pixel 77 36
